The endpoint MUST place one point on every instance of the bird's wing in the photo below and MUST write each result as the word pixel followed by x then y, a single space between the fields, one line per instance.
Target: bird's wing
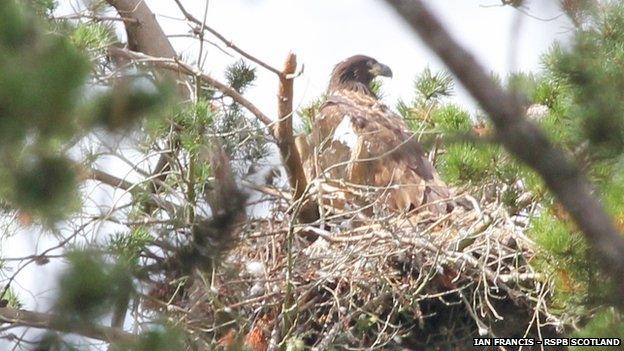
pixel 363 142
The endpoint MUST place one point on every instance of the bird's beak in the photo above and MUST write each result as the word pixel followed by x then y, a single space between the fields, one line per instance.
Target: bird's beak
pixel 380 69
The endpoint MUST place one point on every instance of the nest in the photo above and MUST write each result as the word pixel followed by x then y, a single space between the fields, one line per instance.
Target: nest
pixel 373 282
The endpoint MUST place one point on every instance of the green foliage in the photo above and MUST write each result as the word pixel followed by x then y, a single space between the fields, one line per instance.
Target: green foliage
pixel 195 121
pixel 555 237
pixel 44 185
pixel 451 120
pixel 11 299
pixel 54 341
pixel 431 86
pixel 376 86
pixel 92 36
pixel 91 286
pixel 43 7
pixel 592 72
pixel 255 144
pixel 308 112
pixel 158 339
pixel 128 103
pixel 129 245
pixel 583 89
pixel 240 75
pixel 606 323
pixel 42 78
pixel 466 163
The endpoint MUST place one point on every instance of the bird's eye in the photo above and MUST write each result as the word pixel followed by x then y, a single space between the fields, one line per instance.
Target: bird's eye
pixel 370 63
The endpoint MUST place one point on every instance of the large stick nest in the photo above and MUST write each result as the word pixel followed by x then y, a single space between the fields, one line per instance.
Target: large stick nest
pixel 384 282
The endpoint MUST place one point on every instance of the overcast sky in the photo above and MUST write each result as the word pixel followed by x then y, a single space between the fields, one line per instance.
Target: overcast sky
pixel 322 33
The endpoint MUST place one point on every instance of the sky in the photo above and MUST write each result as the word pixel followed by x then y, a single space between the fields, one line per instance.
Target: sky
pixel 321 33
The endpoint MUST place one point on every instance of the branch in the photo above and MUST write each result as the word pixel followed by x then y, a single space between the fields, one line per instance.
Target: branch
pixel 147 36
pixel 286 140
pixel 179 66
pixel 116 182
pixel 144 32
pixel 53 322
pixel 283 132
pixel 228 43
pixel 524 139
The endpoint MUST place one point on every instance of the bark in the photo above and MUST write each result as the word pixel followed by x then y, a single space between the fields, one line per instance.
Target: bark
pixel 524 139
pixel 144 33
pixel 286 141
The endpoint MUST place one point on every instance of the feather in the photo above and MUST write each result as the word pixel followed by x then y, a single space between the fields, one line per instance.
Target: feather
pixel 361 141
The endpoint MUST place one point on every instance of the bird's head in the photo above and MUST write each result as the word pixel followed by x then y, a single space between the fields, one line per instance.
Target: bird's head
pixel 356 73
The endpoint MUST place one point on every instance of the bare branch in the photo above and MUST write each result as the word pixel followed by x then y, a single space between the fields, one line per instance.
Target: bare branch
pixel 53 322
pixel 202 26
pixel 116 182
pixel 98 18
pixel 144 33
pixel 523 138
pixel 286 140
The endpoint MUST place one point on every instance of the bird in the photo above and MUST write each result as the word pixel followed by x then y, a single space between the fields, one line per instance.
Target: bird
pixel 359 140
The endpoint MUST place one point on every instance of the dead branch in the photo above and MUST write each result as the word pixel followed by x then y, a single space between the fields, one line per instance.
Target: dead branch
pixel 523 138
pixel 147 38
pixel 23 318
pixel 228 43
pixel 286 140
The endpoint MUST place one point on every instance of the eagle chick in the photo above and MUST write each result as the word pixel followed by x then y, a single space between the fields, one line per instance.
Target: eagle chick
pixel 361 141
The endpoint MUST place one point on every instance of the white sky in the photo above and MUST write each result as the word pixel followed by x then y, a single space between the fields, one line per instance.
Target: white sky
pixel 322 33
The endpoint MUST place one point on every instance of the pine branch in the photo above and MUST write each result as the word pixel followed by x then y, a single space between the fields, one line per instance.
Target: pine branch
pixel 524 139
pixel 147 36
pixel 116 182
pixel 179 66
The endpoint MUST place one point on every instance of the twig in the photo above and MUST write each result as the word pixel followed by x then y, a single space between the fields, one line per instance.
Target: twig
pixel 202 26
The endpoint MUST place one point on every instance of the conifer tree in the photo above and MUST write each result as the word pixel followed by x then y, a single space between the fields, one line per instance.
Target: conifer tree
pixel 146 243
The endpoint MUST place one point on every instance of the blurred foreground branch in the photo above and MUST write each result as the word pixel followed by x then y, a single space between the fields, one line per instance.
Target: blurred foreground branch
pixel 23 318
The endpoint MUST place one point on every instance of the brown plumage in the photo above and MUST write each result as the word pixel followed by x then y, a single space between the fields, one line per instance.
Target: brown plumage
pixel 362 141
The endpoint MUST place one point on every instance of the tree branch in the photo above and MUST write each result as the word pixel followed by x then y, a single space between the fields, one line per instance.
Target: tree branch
pixel 523 139
pixel 286 140
pixel 177 65
pixel 147 36
pixel 53 322
pixel 228 43
pixel 116 182
pixel 144 32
